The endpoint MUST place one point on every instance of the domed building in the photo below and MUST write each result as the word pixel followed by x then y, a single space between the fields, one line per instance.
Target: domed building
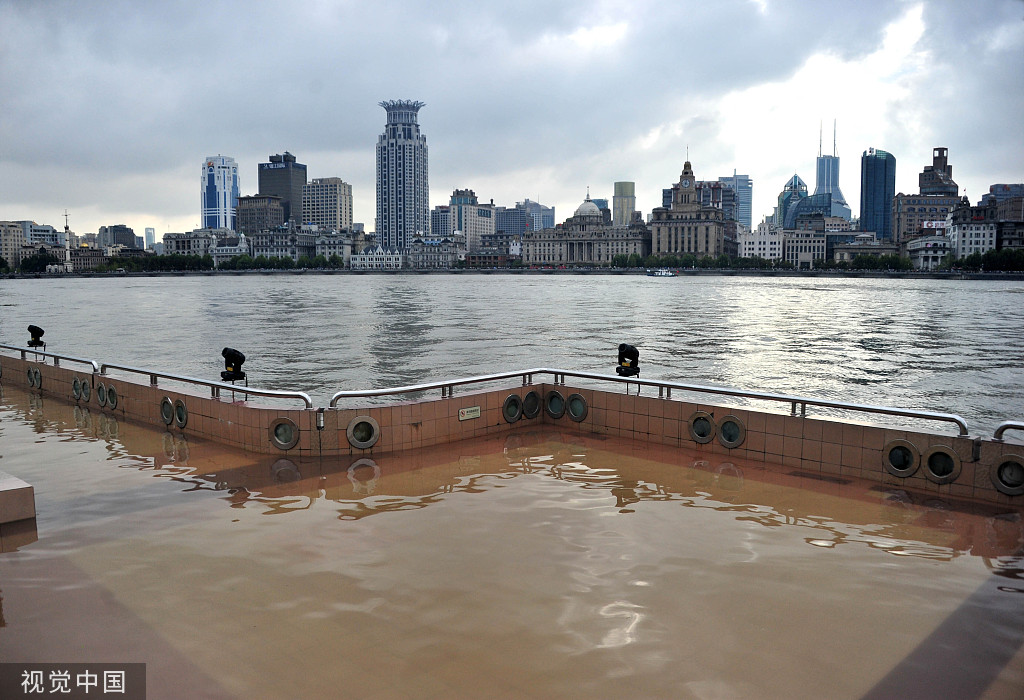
pixel 586 239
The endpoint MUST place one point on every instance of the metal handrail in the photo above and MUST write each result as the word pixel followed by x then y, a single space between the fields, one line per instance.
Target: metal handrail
pixel 664 391
pixel 445 386
pixel 215 387
pixel 997 436
pixel 56 358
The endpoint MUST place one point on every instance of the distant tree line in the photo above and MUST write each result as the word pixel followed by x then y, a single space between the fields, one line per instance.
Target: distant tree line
pixel 688 260
pixel 175 262
pixel 262 262
pixel 1005 260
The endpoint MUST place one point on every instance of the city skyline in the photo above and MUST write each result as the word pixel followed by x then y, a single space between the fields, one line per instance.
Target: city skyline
pixel 733 91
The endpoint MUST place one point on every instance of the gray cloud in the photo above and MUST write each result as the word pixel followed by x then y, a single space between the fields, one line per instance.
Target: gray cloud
pixel 110 107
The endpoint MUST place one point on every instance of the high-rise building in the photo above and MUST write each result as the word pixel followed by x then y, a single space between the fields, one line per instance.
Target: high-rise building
pixel 150 237
pixel 12 238
pixel 1002 192
pixel 543 217
pixel 403 207
pixel 718 194
pixel 260 212
pixel 827 182
pixel 327 203
pixel 283 177
pixel 118 234
pixel 623 203
pixel 219 192
pixel 794 190
pixel 937 178
pixel 922 213
pixel 743 186
pixel 877 188
pixel 41 233
pixel 472 219
pixel 441 220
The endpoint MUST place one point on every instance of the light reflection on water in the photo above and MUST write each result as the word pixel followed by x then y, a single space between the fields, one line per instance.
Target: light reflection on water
pixel 939 345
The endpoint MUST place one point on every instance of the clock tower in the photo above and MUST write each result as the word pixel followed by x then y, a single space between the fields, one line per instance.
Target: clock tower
pixel 687 191
pixel 687 227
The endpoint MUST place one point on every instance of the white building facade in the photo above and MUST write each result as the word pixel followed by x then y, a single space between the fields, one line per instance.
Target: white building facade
pixel 764 242
pixel 219 191
pixel 403 207
pixel 378 258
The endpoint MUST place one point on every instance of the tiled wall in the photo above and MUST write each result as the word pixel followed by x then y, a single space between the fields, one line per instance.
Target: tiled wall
pixel 810 445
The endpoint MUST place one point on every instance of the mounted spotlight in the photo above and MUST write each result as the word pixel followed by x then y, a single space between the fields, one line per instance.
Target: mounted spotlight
pixel 233 360
pixel 629 361
pixel 36 341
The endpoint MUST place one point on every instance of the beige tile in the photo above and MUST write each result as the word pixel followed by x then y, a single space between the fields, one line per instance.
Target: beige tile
pixel 792 446
pixel 756 421
pixel 873 438
pixel 793 427
pixel 775 424
pixel 851 456
pixel 811 450
pixel 831 453
pixel 813 429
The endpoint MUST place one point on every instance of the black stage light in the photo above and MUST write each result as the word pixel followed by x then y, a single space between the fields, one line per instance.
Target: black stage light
pixel 233 360
pixel 629 361
pixel 36 340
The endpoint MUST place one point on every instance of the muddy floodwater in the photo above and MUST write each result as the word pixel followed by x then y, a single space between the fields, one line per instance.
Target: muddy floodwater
pixel 538 565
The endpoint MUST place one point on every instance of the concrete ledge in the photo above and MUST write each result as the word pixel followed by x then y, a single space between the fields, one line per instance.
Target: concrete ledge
pixel 17 499
pixel 18 534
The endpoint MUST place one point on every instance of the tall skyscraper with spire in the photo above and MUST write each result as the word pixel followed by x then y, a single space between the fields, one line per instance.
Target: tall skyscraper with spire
pixel 827 181
pixel 403 207
pixel 219 192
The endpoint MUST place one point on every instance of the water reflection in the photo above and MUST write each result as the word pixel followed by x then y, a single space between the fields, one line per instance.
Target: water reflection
pixel 835 512
pixel 399 339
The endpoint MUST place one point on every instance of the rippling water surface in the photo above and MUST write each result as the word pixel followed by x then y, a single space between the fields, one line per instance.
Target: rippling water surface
pixel 940 345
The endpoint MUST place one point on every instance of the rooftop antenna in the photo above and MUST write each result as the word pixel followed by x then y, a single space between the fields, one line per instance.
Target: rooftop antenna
pixel 834 136
pixel 820 127
pixel 66 227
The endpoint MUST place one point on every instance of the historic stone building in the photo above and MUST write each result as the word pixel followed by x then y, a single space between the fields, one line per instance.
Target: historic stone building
pixel 585 239
pixel 687 226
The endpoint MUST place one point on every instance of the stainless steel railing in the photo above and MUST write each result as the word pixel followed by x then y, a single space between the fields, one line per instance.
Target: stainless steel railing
pixel 215 387
pixel 54 356
pixel 798 404
pixel 1004 426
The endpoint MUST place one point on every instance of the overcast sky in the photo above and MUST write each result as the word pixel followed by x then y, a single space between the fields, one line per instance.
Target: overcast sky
pixel 110 108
